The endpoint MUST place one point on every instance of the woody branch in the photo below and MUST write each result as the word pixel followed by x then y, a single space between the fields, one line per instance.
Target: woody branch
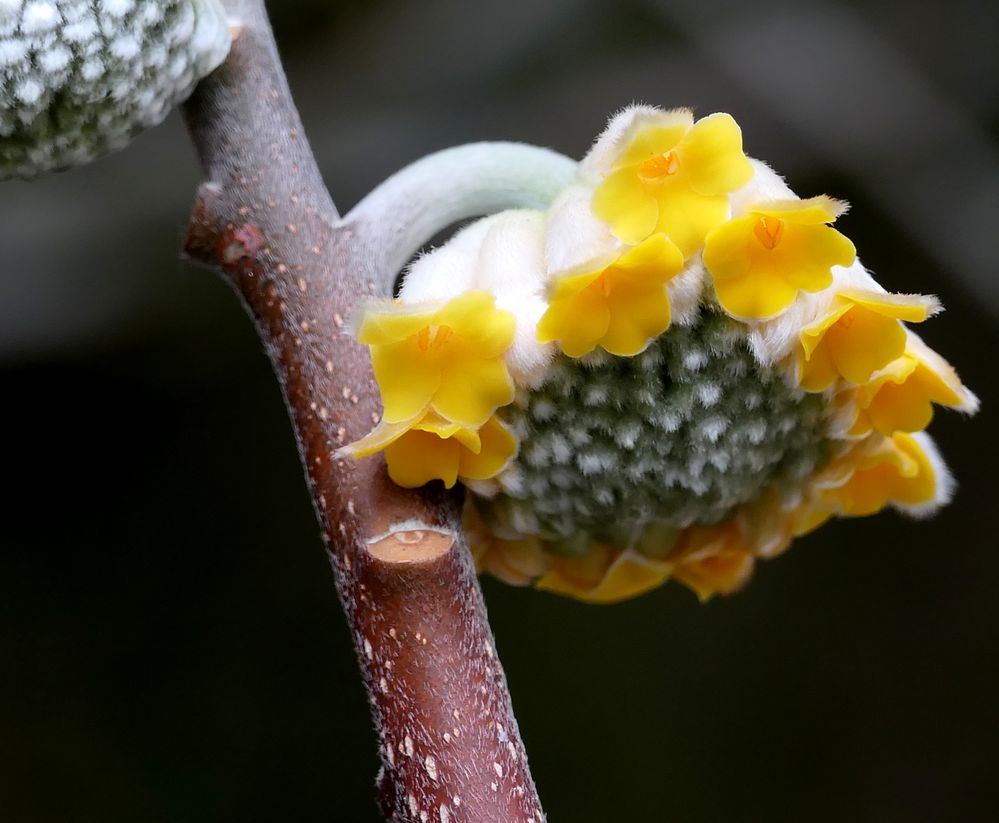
pixel 448 739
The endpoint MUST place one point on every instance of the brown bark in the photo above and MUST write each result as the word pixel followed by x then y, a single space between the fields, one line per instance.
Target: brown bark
pixel 448 739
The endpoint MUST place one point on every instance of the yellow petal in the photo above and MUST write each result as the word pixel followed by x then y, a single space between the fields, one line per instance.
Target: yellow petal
pixel 471 389
pixel 920 487
pixel 376 440
pixel 636 316
pixel 758 295
pixel 649 140
pixel 515 562
pixel 655 258
pixel 764 525
pixel 473 316
pixel 498 448
pixel 812 336
pixel 623 203
pixel 807 518
pixel 418 457
pixel 408 380
pixel 626 574
pixel 434 448
pixel 947 388
pixel 818 372
pixel 686 216
pixel 864 341
pixel 712 560
pixel 887 403
pixel 727 248
pixel 639 308
pixel 722 573
pixel 807 254
pixel 576 576
pixel 912 308
pixel 901 397
pixel 896 470
pixel 569 285
pixel 810 212
pixel 861 335
pixel 577 323
pixel 712 158
pixel 443 428
pixel 390 321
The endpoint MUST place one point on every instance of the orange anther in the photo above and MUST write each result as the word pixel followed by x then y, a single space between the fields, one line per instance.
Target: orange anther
pixel 768 231
pixel 660 166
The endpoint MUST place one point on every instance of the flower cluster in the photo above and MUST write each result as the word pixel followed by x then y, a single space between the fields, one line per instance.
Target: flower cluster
pixel 674 371
pixel 78 78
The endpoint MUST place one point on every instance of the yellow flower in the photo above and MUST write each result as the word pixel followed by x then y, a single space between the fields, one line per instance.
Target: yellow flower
pixel 448 359
pixel 900 397
pixel 605 575
pixel 760 261
pixel 860 335
pixel 619 305
pixel 886 470
pixel 674 176
pixel 713 560
pixel 432 448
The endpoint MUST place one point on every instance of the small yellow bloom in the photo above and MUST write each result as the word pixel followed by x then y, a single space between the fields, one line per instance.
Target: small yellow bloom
pixel 887 470
pixel 605 575
pixel 900 397
pixel 713 560
pixel 761 260
pixel 448 359
pixel 619 306
pixel 673 176
pixel 860 335
pixel 432 448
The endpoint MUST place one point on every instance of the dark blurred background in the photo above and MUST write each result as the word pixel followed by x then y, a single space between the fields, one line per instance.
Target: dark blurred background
pixel 171 646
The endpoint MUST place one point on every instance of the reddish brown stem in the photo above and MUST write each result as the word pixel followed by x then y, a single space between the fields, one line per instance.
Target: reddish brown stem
pixel 448 738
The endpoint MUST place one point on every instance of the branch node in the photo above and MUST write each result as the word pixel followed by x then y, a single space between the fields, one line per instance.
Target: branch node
pixel 411 542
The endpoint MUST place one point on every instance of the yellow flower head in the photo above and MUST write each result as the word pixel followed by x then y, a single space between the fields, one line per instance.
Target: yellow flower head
pixel 761 260
pixel 447 359
pixel 860 335
pixel 432 448
pixel 619 306
pixel 894 469
pixel 673 176
pixel 685 447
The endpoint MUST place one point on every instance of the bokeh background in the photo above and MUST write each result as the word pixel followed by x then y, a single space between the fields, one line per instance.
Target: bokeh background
pixel 171 646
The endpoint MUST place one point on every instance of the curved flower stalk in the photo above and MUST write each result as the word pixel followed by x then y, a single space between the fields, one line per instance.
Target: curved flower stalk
pixel 702 371
pixel 79 79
